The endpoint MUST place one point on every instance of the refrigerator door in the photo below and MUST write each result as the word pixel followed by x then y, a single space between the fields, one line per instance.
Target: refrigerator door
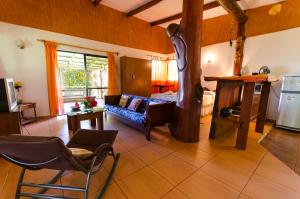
pixel 291 83
pixel 289 111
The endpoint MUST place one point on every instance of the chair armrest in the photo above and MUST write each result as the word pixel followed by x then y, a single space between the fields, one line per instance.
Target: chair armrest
pixel 160 113
pixel 112 99
pixel 92 138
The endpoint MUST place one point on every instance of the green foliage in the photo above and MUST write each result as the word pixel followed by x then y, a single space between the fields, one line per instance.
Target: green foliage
pixel 73 78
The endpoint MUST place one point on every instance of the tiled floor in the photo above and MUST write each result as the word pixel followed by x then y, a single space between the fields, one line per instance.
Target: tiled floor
pixel 285 145
pixel 169 169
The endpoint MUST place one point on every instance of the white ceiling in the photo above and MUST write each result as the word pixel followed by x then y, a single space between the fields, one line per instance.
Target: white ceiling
pixel 170 7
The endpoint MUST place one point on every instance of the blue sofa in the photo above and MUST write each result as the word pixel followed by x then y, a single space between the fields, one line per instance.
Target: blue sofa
pixel 146 117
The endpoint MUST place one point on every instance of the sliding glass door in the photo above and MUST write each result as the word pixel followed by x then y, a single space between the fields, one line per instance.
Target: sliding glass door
pixel 82 75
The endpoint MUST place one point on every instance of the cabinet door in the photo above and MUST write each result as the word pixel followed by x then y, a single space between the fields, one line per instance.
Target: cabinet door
pixel 136 76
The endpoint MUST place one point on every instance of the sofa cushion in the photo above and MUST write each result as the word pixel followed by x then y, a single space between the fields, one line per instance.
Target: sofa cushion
pixel 143 106
pixel 123 100
pixel 124 112
pixel 134 104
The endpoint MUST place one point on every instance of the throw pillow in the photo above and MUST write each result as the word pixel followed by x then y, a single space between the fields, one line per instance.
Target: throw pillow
pixel 123 101
pixel 134 104
pixel 81 153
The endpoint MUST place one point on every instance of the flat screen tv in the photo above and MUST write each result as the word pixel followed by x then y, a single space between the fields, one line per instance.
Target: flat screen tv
pixel 8 99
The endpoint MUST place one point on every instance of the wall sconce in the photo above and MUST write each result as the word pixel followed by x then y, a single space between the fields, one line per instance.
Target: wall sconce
pixel 20 44
pixel 210 58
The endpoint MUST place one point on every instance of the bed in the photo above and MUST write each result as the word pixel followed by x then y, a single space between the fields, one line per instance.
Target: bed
pixel 207 104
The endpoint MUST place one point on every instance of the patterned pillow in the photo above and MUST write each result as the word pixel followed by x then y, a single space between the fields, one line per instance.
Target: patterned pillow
pixel 123 101
pixel 134 104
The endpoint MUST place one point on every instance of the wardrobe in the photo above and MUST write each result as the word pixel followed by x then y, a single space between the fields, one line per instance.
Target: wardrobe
pixel 136 76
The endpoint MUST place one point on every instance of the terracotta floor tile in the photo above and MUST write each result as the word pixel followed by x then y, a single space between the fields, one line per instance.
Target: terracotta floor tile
pixel 262 188
pixel 120 146
pixel 78 179
pixel 193 156
pixel 274 170
pixel 201 185
pixel 128 164
pixel 151 152
pixel 113 192
pixel 4 167
pixel 169 142
pixel 224 171
pixel 3 179
pixel 135 142
pixel 229 164
pixel 10 184
pixel 244 196
pixel 173 168
pixel 175 194
pixel 144 184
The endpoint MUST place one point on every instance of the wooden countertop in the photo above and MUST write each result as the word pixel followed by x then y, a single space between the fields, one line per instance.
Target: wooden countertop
pixel 246 78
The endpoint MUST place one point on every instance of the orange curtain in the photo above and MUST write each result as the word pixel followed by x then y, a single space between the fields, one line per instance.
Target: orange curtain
pixel 164 76
pixel 54 89
pixel 172 80
pixel 112 75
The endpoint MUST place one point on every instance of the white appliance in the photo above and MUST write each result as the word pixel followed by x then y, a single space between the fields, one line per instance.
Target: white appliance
pixel 289 104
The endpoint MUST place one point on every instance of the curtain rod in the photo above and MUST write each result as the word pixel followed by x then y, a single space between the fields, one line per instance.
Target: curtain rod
pixel 162 58
pixel 70 45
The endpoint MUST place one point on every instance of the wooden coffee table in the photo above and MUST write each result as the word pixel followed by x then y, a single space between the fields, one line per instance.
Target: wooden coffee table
pixel 74 119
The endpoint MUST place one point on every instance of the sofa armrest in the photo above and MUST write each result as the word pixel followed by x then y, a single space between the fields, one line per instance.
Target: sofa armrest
pixel 158 114
pixel 112 99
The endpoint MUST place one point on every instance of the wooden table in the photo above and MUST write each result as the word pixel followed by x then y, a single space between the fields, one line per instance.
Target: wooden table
pixel 74 119
pixel 240 89
pixel 25 106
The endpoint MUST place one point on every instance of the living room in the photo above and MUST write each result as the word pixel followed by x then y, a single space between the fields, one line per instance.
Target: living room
pixel 106 48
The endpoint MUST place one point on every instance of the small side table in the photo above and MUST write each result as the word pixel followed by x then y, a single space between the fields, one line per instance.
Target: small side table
pixel 25 106
pixel 74 119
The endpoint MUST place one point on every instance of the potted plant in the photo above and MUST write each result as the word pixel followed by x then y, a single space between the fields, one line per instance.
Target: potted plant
pixel 89 102
pixel 18 87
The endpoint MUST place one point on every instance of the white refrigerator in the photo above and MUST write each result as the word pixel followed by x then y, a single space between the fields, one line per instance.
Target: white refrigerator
pixel 289 104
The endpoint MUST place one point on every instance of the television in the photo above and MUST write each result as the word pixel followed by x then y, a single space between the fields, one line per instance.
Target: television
pixel 8 99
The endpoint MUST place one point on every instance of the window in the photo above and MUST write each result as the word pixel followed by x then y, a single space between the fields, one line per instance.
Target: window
pixel 164 75
pixel 82 75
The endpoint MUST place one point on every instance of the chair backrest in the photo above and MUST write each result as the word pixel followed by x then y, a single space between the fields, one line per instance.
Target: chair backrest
pixel 34 152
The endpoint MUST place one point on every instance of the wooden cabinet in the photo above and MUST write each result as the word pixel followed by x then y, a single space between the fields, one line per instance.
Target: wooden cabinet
pixel 9 123
pixel 136 76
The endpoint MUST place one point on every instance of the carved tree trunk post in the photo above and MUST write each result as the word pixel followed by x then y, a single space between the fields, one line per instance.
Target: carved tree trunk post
pixel 233 8
pixel 187 41
pixel 239 49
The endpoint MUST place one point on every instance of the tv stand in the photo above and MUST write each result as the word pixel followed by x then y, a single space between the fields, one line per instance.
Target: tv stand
pixel 10 123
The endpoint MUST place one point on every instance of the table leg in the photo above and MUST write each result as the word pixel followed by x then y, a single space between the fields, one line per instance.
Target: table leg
pixel 242 135
pixel 69 119
pixel 263 104
pixel 75 124
pixel 215 114
pixel 100 122
pixel 93 122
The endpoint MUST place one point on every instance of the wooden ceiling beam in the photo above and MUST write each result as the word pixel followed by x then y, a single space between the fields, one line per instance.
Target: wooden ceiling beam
pixel 96 2
pixel 232 7
pixel 143 7
pixel 207 6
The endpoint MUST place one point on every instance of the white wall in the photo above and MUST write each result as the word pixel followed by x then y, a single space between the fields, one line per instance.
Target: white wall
pixel 28 65
pixel 280 51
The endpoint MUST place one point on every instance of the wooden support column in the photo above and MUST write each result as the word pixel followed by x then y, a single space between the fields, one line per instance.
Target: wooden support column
pixel 233 8
pixel 187 41
pixel 239 49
